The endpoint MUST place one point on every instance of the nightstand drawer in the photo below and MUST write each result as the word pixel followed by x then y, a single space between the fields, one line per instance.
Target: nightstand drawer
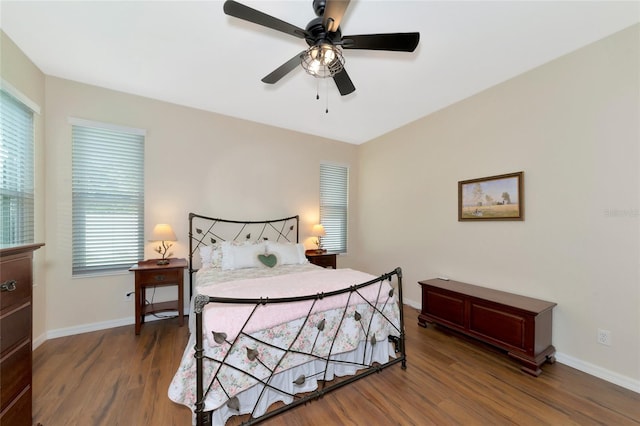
pixel 326 260
pixel 159 277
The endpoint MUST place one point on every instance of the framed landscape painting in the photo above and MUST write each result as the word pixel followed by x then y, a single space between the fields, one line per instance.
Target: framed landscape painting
pixel 498 197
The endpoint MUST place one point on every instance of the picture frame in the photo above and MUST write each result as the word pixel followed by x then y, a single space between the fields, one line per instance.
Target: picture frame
pixel 499 197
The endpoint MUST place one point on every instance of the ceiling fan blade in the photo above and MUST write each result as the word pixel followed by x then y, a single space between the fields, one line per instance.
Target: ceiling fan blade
pixel 399 42
pixel 238 10
pixel 344 83
pixel 283 69
pixel 333 13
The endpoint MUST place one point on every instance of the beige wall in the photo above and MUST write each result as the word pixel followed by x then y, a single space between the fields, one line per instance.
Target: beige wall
pixel 195 161
pixel 17 70
pixel 573 127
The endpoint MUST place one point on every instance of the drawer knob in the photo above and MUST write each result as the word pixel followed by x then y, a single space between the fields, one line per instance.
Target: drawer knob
pixel 8 285
pixel 159 277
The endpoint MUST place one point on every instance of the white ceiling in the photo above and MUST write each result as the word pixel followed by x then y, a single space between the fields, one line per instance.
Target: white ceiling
pixel 191 53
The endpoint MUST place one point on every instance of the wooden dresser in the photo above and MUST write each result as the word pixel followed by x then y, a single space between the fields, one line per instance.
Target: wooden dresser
pixel 517 324
pixel 16 281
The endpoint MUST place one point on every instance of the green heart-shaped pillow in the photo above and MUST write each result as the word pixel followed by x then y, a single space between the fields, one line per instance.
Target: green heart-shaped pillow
pixel 269 260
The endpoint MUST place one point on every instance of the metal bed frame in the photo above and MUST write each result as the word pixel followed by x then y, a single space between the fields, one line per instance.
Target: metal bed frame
pixel 205 231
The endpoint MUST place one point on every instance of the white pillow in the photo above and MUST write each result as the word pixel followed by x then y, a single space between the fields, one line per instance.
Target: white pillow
pixel 210 255
pixel 287 253
pixel 205 255
pixel 241 256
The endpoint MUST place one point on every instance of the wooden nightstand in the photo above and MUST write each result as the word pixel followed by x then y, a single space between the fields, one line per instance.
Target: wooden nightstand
pixel 150 274
pixel 326 260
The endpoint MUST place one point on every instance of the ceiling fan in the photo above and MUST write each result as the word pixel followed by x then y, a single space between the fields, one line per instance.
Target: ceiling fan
pixel 324 57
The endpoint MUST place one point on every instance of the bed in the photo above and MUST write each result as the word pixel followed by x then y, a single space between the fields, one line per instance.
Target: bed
pixel 269 330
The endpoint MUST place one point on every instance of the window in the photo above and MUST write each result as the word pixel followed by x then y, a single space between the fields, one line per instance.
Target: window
pixel 334 197
pixel 16 170
pixel 108 197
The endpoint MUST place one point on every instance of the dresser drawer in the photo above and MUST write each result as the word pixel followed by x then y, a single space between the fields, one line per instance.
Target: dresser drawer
pixel 19 411
pixel 15 373
pixel 170 276
pixel 15 326
pixel 15 278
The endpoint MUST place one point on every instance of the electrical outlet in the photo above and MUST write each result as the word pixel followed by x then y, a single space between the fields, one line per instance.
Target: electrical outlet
pixel 128 297
pixel 604 337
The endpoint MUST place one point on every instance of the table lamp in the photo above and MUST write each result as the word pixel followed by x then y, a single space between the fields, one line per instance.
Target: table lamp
pixel 163 232
pixel 319 232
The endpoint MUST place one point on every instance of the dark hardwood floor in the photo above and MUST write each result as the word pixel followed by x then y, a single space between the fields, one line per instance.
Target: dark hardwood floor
pixel 113 377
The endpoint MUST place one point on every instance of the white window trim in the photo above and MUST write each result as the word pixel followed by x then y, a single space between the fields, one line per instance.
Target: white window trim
pixel 74 121
pixel 24 99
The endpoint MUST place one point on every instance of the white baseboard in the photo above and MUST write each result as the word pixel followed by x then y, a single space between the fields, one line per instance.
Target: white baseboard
pixel 87 328
pixel 599 372
pixel 412 303
pixel 37 341
pixel 96 326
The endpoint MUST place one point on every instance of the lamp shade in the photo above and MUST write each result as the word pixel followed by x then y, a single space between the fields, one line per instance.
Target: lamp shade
pixel 318 230
pixel 163 232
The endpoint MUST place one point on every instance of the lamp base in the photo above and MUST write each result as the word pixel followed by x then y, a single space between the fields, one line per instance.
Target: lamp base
pixel 162 262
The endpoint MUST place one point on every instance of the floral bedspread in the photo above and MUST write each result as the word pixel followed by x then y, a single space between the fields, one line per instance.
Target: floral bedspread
pixel 233 365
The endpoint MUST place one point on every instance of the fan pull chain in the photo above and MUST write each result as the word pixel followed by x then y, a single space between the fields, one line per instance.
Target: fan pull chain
pixel 326 86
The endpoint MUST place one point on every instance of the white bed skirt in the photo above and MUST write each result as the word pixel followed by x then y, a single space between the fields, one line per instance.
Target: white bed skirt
pixel 379 353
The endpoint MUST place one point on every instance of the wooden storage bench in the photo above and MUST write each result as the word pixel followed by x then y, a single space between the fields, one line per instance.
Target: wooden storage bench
pixel 517 324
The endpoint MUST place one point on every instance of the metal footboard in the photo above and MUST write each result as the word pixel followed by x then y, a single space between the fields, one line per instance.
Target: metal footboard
pixel 324 387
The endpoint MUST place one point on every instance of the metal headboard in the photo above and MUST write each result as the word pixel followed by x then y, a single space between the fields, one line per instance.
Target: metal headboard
pixel 205 231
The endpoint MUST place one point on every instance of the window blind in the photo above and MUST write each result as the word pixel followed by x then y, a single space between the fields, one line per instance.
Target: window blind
pixel 108 199
pixel 16 172
pixel 334 197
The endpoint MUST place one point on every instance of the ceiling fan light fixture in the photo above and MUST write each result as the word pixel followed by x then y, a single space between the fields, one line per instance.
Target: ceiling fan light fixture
pixel 322 60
